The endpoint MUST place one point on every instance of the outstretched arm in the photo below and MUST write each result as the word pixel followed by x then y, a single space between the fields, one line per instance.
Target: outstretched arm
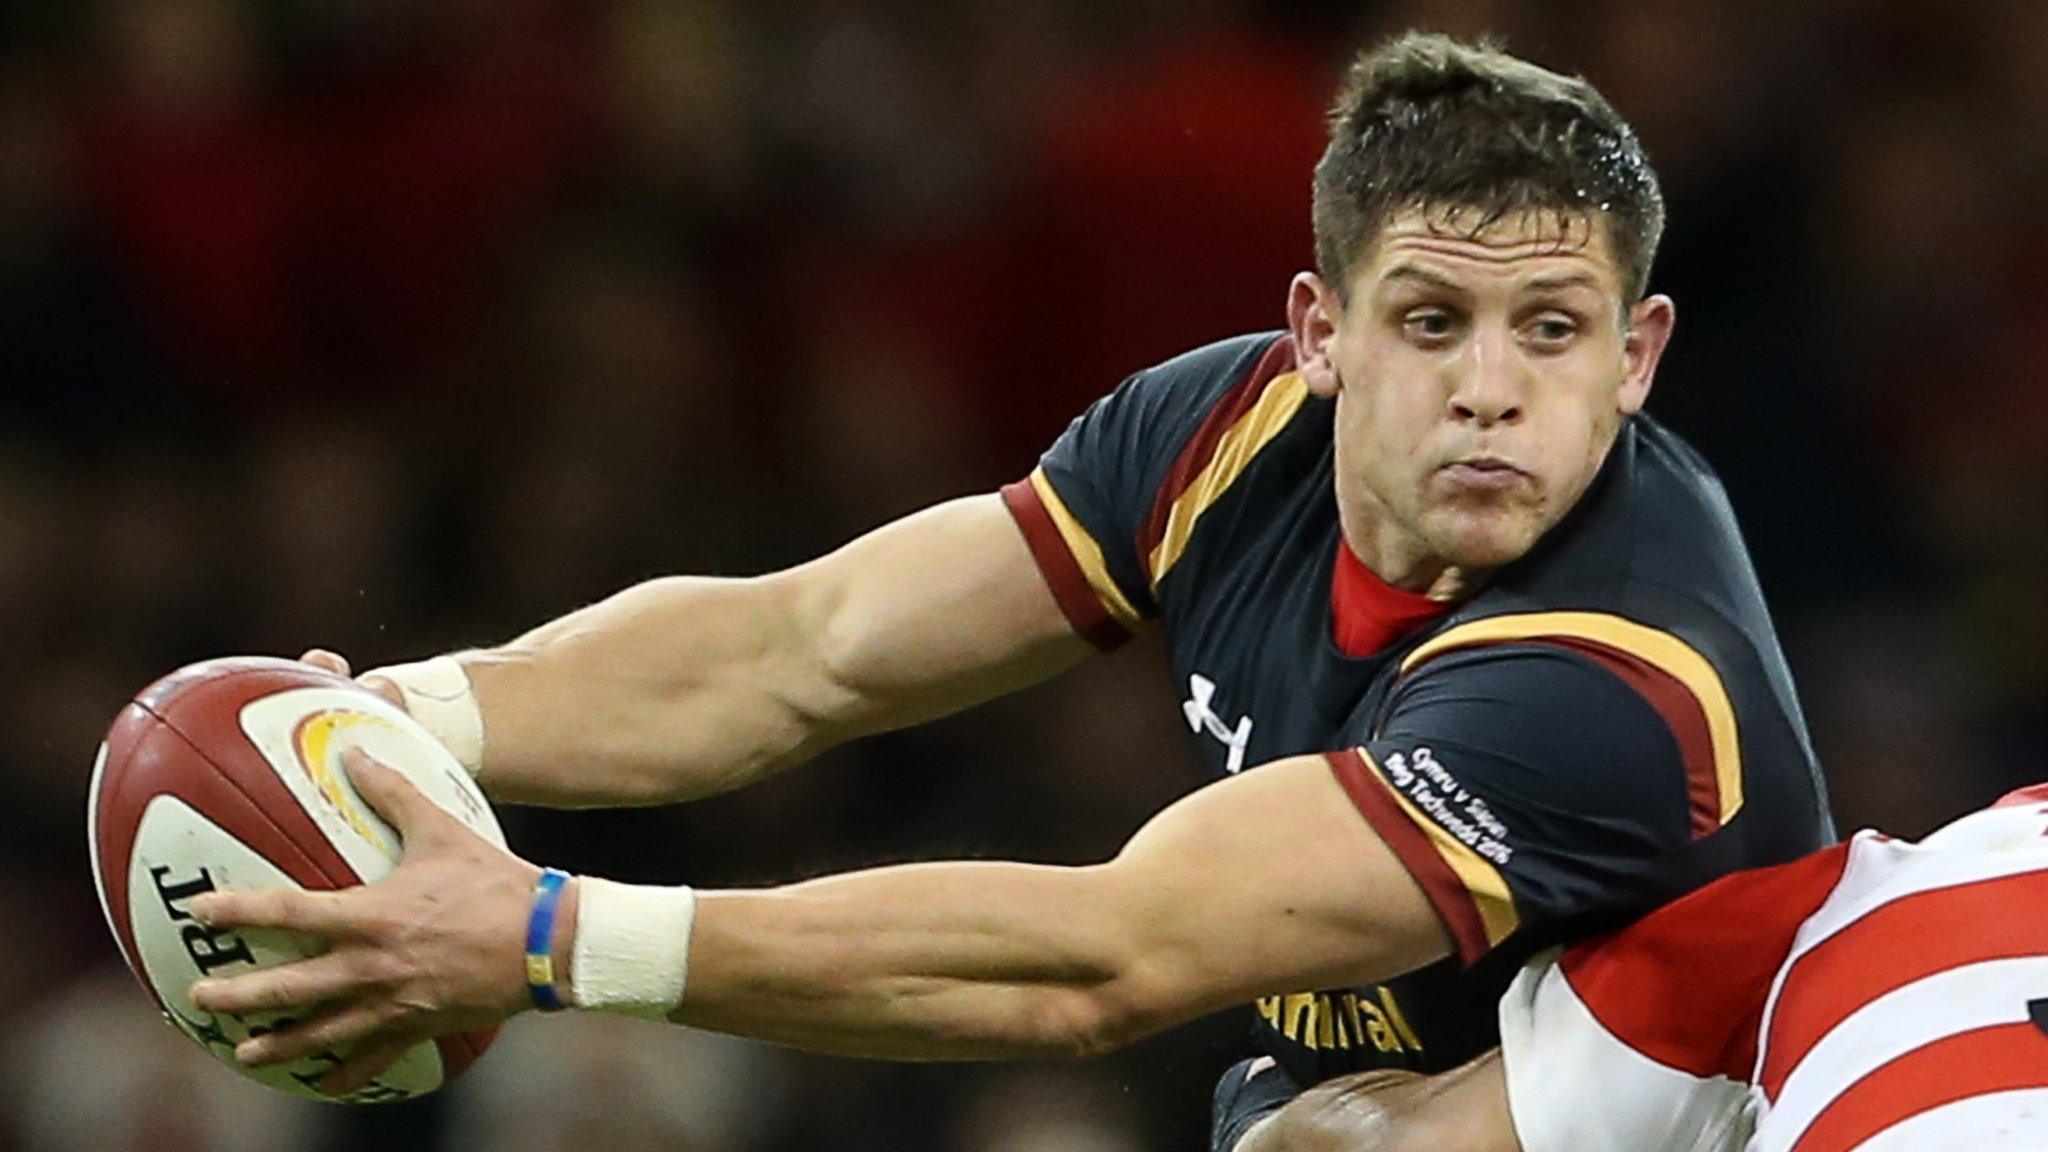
pixel 683 687
pixel 1261 883
pixel 1265 882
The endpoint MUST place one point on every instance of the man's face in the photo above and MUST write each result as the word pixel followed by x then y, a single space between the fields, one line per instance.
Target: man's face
pixel 1480 382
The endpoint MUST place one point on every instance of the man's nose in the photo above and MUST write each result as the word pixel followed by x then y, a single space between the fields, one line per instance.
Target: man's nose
pixel 1490 388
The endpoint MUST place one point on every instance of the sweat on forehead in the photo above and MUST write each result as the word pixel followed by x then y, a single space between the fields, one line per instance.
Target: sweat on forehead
pixel 1427 120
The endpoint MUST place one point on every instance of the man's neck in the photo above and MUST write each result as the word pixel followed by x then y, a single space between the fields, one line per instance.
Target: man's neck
pixel 1400 559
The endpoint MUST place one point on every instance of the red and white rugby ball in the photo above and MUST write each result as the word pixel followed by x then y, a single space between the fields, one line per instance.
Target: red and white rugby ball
pixel 228 775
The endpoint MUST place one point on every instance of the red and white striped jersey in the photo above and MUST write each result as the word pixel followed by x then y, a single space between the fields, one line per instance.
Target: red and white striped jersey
pixel 1878 995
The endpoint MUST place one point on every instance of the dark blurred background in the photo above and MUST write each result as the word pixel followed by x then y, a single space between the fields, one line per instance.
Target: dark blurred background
pixel 396 327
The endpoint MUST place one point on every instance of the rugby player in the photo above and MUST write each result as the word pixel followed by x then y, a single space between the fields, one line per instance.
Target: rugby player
pixel 1879 995
pixel 1470 642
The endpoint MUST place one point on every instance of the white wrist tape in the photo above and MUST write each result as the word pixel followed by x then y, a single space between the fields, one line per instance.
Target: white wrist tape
pixel 438 694
pixel 632 949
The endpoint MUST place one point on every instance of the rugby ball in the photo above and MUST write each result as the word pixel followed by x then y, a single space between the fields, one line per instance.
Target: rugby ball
pixel 228 775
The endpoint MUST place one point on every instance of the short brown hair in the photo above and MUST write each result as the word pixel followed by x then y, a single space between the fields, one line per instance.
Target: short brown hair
pixel 1428 121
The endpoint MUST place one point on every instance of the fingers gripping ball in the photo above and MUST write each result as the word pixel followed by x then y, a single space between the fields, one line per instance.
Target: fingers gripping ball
pixel 228 775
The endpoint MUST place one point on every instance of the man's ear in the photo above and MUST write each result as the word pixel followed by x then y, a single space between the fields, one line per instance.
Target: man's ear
pixel 1649 331
pixel 1312 314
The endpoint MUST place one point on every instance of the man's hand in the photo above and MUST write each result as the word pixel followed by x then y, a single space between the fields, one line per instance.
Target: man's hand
pixel 1388 1110
pixel 336 663
pixel 434 948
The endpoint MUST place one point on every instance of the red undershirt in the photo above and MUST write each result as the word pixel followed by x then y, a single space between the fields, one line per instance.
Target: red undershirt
pixel 1367 614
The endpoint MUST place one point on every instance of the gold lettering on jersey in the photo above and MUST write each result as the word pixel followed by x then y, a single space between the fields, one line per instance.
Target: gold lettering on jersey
pixel 1341 1021
pixel 1400 1022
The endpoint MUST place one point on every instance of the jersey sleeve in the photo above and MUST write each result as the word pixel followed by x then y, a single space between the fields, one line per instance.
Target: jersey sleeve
pixel 1575 1086
pixel 1541 785
pixel 1085 511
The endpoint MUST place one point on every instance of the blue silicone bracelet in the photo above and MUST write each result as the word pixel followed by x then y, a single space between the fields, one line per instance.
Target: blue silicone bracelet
pixel 540 934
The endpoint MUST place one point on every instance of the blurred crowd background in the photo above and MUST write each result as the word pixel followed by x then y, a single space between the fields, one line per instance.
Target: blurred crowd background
pixel 395 327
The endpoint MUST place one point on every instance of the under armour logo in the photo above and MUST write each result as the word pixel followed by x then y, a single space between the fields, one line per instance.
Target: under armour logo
pixel 1201 718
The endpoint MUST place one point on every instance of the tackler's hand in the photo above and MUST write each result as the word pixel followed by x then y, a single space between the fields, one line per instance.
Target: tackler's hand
pixel 434 948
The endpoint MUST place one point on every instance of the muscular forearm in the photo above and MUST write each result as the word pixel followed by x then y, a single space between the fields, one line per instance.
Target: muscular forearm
pixel 1263 883
pixel 671 690
pixel 954 961
pixel 683 687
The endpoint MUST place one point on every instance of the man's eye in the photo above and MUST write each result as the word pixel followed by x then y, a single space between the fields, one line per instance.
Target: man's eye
pixel 1428 325
pixel 1553 331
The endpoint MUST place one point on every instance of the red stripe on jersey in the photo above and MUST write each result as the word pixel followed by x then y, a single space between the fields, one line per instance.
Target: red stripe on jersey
pixel 1946 927
pixel 1685 985
pixel 1070 588
pixel 1201 447
pixel 1682 714
pixel 2002 1058
pixel 2038 794
pixel 1446 893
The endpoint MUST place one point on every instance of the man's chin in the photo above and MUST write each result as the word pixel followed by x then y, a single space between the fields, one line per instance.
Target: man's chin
pixel 1485 542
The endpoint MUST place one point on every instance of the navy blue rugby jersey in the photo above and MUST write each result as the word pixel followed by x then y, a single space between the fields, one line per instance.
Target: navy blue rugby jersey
pixel 1609 723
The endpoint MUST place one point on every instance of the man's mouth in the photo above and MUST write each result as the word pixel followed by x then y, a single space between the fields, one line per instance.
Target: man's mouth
pixel 1483 473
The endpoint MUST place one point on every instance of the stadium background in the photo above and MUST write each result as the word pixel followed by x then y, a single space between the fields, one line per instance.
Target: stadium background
pixel 394 327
